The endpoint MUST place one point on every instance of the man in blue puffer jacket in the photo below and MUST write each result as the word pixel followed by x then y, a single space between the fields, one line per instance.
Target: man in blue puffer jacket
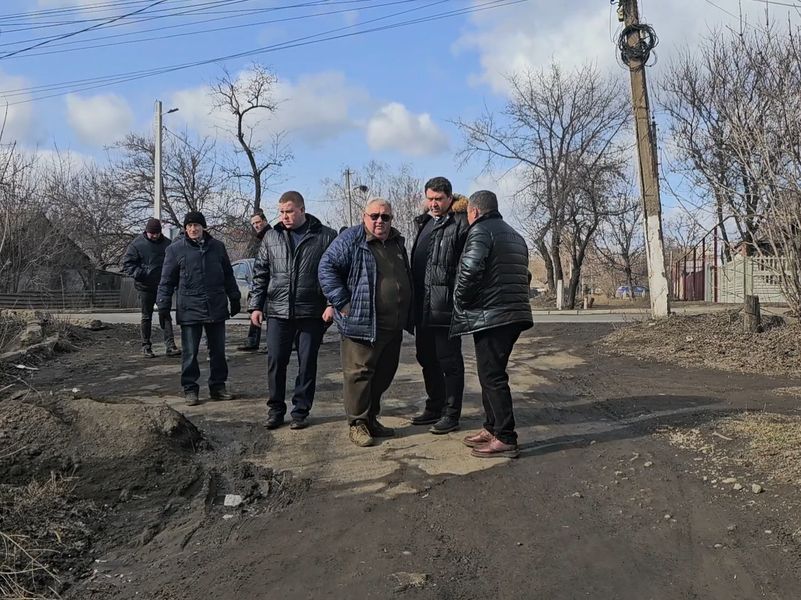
pixel 366 278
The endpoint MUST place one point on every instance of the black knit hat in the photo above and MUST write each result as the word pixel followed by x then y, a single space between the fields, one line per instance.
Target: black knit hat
pixel 195 216
pixel 153 226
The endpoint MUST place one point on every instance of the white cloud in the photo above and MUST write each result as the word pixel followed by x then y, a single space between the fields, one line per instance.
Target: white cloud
pixel 313 109
pixel 532 34
pixel 19 122
pixel 393 127
pixel 100 119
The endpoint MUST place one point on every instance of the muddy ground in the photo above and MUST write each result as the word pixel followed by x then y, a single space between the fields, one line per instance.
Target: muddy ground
pixel 626 487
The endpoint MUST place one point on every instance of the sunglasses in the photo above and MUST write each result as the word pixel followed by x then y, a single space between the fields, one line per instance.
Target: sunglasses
pixel 383 217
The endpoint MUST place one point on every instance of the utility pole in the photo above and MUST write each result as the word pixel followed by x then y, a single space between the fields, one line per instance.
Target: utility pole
pixel 646 151
pixel 157 165
pixel 350 200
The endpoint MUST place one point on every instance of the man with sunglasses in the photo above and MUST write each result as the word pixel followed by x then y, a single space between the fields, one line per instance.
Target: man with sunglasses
pixel 441 232
pixel 365 276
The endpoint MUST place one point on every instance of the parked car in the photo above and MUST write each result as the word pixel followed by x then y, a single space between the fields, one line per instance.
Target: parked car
pixel 640 291
pixel 243 273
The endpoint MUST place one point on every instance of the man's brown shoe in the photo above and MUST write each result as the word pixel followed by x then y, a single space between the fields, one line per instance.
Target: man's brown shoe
pixel 378 430
pixel 496 449
pixel 360 435
pixel 478 439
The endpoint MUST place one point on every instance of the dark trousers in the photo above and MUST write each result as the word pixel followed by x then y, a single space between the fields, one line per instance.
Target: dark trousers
pixel 493 348
pixel 281 334
pixel 443 369
pixel 190 344
pixel 368 370
pixel 147 298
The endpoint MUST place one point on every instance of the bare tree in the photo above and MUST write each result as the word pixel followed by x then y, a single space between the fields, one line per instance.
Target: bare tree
pixel 563 131
pixel 244 98
pixel 193 179
pixel 719 100
pixel 401 187
pixel 33 252
pixel 620 242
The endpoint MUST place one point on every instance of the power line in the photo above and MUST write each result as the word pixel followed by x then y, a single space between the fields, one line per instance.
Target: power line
pixel 63 88
pixel 97 25
pixel 86 43
pixel 205 30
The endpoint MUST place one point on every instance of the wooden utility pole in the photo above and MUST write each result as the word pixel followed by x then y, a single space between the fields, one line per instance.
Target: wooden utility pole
pixel 350 199
pixel 649 180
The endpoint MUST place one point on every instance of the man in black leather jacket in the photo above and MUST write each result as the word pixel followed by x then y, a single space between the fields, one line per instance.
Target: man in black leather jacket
pixel 287 291
pixel 143 261
pixel 491 302
pixel 441 233
pixel 198 266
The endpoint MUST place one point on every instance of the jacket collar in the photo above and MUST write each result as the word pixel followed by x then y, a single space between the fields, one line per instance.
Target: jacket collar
pixel 315 225
pixel 493 214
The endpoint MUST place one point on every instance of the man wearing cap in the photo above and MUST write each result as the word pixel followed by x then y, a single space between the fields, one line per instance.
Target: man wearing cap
pixel 143 261
pixel 199 267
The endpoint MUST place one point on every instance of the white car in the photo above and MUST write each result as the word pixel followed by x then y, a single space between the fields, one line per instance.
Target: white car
pixel 243 272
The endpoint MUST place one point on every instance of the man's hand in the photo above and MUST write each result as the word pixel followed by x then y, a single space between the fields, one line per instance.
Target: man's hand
pixel 256 317
pixel 164 317
pixel 345 310
pixel 235 306
pixel 328 314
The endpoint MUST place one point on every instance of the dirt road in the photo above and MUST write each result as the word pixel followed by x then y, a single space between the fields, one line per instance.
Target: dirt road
pixel 599 505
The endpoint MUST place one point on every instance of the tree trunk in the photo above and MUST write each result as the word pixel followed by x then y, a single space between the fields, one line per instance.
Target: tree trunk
pixel 752 315
pixel 543 251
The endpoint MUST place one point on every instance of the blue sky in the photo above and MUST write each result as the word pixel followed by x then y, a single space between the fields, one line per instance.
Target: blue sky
pixel 386 95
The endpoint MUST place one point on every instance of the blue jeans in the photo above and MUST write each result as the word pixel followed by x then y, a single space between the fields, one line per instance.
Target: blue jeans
pixel 190 344
pixel 281 334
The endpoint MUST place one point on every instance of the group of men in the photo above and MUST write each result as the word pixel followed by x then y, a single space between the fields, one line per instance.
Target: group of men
pixel 467 274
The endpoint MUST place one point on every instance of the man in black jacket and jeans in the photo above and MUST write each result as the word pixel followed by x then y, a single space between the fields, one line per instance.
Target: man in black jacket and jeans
pixel 441 233
pixel 286 290
pixel 143 261
pixel 198 265
pixel 491 302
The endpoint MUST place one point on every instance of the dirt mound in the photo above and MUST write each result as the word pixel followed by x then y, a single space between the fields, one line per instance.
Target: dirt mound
pixel 715 341
pixel 66 464
pixel 96 442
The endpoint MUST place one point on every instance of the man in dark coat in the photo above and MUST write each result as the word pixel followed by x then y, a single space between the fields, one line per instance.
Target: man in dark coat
pixel 441 233
pixel 491 302
pixel 366 278
pixel 260 228
pixel 286 290
pixel 143 261
pixel 198 266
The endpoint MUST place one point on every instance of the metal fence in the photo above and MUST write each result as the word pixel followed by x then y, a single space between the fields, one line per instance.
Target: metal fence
pixel 58 300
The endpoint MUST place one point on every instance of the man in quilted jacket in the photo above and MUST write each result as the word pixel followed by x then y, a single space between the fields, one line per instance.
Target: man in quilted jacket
pixel 287 292
pixel 365 276
pixel 490 301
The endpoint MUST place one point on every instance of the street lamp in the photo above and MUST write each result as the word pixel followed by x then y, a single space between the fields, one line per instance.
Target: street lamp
pixel 157 160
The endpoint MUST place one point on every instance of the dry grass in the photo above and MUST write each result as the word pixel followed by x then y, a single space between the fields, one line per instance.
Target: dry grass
pixel 773 443
pixel 23 576
pixel 761 445
pixel 713 341
pixel 44 528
